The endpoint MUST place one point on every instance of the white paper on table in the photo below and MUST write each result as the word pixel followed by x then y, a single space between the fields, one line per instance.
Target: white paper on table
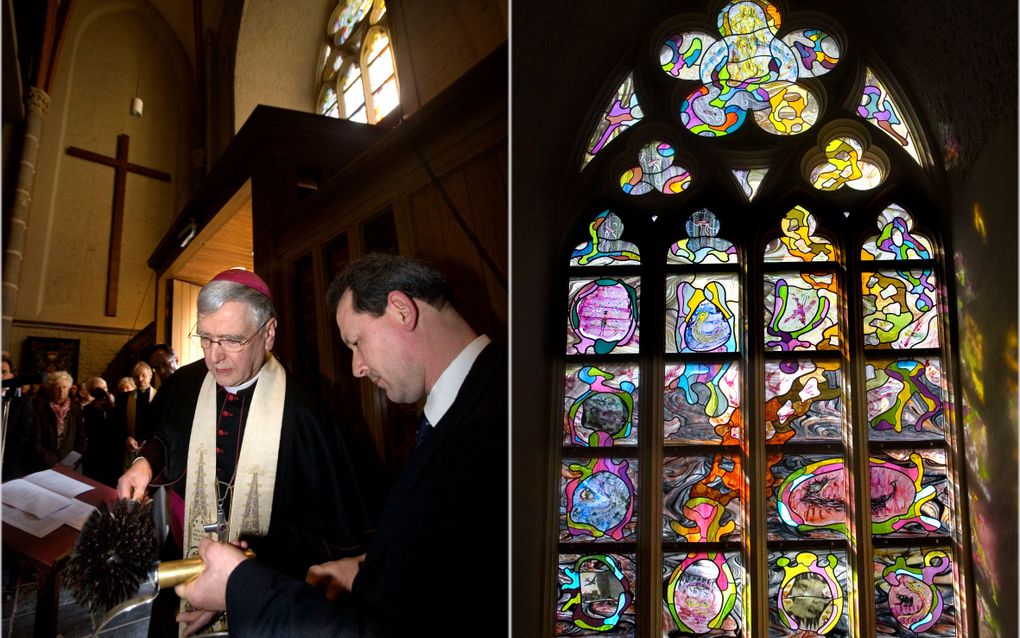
pixel 38 527
pixel 74 514
pixel 60 483
pixel 31 498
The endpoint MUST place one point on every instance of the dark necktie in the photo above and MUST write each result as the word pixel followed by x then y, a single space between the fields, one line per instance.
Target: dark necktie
pixel 424 428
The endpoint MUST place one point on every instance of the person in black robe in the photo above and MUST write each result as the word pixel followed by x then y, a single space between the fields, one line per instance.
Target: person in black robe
pixel 443 532
pixel 317 512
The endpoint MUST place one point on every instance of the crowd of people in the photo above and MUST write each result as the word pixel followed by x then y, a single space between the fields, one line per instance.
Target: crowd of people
pixel 234 453
pixel 83 425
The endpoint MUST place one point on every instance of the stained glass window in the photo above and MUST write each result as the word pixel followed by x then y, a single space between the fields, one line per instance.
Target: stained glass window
pixel 791 341
pixel 656 171
pixel 878 107
pixel 358 64
pixel 846 164
pixel 623 111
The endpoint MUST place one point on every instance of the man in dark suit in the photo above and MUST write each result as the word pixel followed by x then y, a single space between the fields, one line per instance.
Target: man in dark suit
pixel 436 565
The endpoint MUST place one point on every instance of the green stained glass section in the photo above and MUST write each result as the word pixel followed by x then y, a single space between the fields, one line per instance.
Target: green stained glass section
pixel 622 112
pixel 900 310
pixel 808 496
pixel 704 246
pixel 605 245
pixel 703 594
pixel 801 311
pixel 808 593
pixel 906 399
pixel 598 499
pixel 602 315
pixel 702 498
pixel 878 107
pixel 702 313
pixel 803 400
pixel 799 241
pixel 595 594
pixel 681 53
pixel 601 405
pixel 911 494
pixel 656 172
pixel 896 239
pixel 914 593
pixel 701 403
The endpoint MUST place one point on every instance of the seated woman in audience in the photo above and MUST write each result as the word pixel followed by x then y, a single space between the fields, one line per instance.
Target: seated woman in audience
pixel 59 429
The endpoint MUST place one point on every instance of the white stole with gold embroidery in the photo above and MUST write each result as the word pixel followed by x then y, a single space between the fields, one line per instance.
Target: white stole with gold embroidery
pixel 251 503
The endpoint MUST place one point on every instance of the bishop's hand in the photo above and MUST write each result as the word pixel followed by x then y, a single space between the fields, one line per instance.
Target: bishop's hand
pixel 133 482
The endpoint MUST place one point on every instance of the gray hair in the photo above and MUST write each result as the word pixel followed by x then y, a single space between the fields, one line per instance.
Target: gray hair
pixel 216 293
pixel 141 365
pixel 60 375
pixel 93 383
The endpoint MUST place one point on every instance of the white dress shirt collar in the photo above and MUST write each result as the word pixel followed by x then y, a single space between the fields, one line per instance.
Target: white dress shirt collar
pixel 448 384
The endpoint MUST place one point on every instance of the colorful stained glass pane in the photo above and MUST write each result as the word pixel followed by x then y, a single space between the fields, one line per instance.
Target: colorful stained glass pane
pixel 914 593
pixel 750 180
pixel 656 171
pixel 703 594
pixel 622 112
pixel 905 399
pixel 327 100
pixel 792 109
pixel 798 241
pixel 807 496
pixel 604 246
pixel 845 166
pixel 345 18
pixel 702 313
pixel 900 309
pixel 603 315
pixel 681 53
pixel 703 246
pixel 749 69
pixel 911 495
pixel 896 239
pixel 332 65
pixel 878 107
pixel 598 499
pixel 596 595
pixel 701 403
pixel 702 498
pixel 601 405
pixel 803 400
pixel 801 311
pixel 808 593
pixel 817 52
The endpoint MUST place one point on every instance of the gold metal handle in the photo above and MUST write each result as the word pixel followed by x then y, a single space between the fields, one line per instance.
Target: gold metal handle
pixel 175 572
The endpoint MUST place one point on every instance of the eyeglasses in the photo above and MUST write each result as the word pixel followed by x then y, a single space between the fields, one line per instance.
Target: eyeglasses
pixel 226 345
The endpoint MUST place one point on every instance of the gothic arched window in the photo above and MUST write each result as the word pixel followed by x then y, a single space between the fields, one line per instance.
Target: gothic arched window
pixel 757 398
pixel 358 74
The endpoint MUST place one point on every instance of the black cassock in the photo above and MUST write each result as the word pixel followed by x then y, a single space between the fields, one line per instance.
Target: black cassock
pixel 318 512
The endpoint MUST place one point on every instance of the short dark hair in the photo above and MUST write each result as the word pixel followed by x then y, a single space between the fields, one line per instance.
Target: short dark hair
pixel 373 277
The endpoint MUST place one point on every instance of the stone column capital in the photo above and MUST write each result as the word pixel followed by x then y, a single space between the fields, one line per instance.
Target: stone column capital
pixel 38 100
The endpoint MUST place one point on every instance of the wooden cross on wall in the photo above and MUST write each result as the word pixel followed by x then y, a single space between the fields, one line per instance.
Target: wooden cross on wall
pixel 121 168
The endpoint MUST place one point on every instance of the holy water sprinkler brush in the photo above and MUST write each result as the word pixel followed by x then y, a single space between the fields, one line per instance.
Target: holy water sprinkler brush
pixel 116 553
pixel 113 555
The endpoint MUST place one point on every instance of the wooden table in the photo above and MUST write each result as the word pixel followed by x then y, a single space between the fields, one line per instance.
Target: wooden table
pixel 50 553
